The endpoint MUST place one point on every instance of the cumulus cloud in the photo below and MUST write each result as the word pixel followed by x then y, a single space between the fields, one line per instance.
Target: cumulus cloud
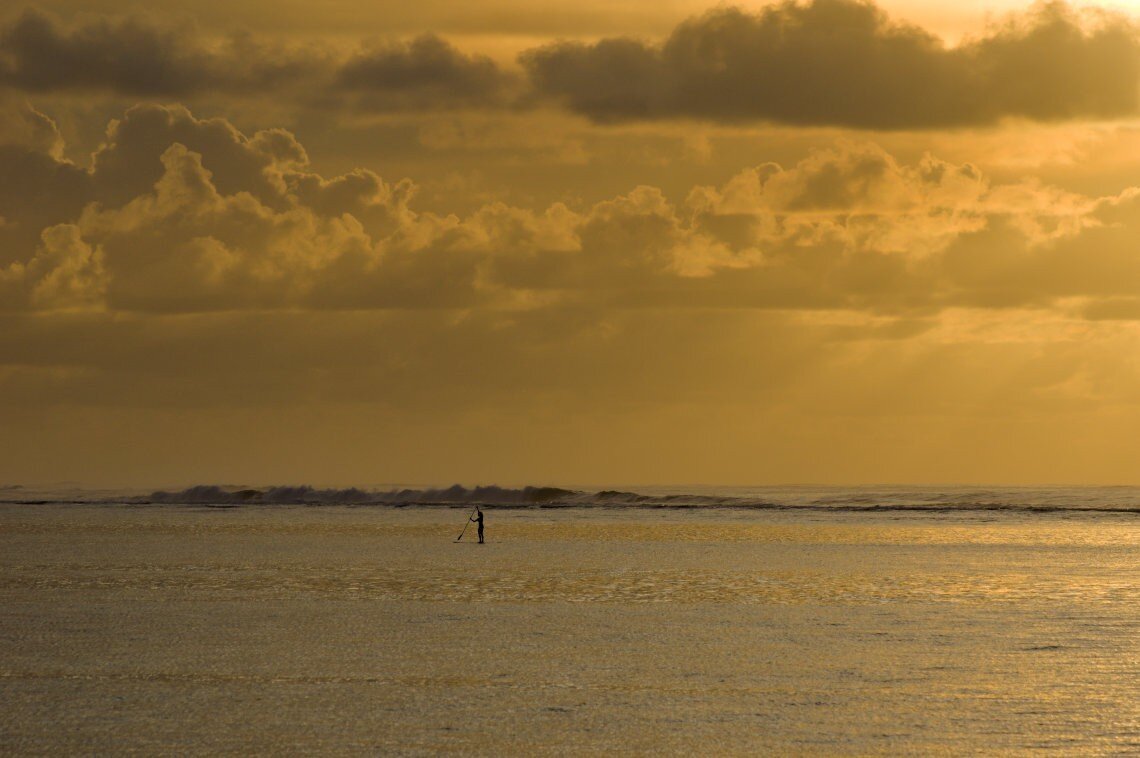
pixel 178 274
pixel 426 71
pixel 142 56
pixel 180 214
pixel 21 125
pixel 135 56
pixel 40 188
pixel 66 272
pixel 199 278
pixel 128 163
pixel 819 62
pixel 844 62
pixel 187 246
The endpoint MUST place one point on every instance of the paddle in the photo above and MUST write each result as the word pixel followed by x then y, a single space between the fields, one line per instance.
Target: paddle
pixel 466 525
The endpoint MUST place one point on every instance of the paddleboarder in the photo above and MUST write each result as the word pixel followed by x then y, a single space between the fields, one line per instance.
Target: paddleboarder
pixel 478 519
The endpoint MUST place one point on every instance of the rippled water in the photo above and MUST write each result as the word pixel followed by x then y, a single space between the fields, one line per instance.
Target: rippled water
pixel 341 629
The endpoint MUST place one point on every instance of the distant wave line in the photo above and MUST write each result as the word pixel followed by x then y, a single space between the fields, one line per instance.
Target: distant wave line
pixel 536 497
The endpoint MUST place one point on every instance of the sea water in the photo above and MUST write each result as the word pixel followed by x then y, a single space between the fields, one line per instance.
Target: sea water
pixel 712 620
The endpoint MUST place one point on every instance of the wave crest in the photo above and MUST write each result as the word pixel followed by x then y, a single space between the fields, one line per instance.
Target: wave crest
pixel 913 500
pixel 305 495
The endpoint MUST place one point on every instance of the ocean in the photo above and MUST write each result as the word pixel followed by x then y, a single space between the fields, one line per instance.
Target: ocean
pixel 633 620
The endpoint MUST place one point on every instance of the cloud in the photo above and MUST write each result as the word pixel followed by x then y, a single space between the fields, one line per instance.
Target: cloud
pixel 135 55
pixel 273 396
pixel 822 62
pixel 187 246
pixel 127 56
pixel 845 63
pixel 425 72
pixel 140 56
pixel 66 272
pixel 40 188
pixel 128 163
pixel 826 307
pixel 179 275
pixel 21 125
pixel 180 214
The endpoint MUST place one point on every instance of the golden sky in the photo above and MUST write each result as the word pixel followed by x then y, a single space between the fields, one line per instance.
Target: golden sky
pixel 569 242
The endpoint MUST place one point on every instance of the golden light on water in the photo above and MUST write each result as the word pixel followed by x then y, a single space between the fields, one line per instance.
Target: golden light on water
pixel 288 287
pixel 776 631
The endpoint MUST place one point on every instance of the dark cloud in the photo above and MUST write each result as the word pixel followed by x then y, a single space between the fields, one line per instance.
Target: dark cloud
pixel 424 72
pixel 125 55
pixel 826 62
pixel 39 188
pixel 134 55
pixel 21 124
pixel 36 192
pixel 138 56
pixel 844 62
pixel 128 163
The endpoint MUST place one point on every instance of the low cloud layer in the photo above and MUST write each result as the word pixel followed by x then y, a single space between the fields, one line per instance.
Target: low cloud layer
pixel 844 62
pixel 822 62
pixel 145 57
pixel 183 301
pixel 180 214
pixel 134 55
pixel 406 260
pixel 422 72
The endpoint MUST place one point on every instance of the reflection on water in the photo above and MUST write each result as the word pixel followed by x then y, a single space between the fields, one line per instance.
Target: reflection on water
pixel 624 585
pixel 370 630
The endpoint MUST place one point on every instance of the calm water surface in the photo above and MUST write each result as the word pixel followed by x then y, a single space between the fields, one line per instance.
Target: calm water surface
pixel 338 629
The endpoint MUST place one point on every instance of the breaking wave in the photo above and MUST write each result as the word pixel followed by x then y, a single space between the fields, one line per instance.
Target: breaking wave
pixel 885 499
pixel 919 500
pixel 304 495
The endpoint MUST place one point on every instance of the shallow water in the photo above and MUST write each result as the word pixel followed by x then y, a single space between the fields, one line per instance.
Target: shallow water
pixel 342 629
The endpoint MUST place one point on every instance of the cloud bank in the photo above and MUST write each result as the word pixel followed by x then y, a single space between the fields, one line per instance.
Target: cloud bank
pixel 605 263
pixel 180 214
pixel 822 62
pixel 142 56
pixel 844 62
pixel 135 55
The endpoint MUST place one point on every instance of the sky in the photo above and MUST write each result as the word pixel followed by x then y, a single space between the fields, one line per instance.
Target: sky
pixel 569 243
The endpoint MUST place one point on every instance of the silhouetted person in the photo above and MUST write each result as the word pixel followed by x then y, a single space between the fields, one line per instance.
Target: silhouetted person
pixel 478 519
